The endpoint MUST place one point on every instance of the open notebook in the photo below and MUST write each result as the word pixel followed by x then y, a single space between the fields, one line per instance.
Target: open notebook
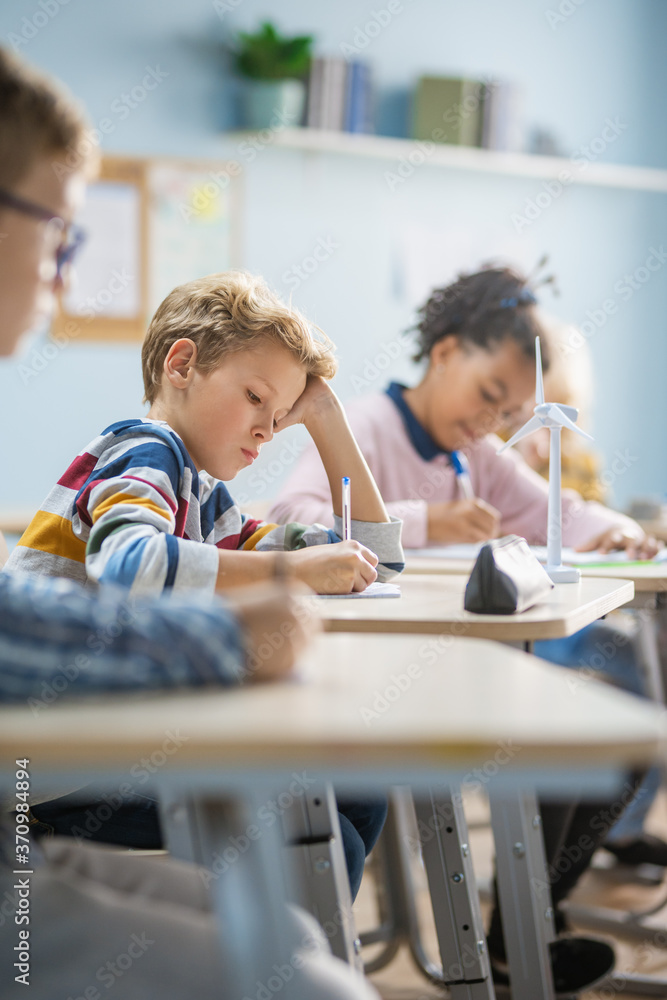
pixel 373 590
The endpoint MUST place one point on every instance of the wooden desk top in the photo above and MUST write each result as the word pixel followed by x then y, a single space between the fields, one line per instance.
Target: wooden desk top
pixel 649 578
pixel 434 604
pixel 447 703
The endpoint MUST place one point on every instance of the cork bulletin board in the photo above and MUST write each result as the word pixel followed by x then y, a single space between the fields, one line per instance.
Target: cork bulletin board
pixel 151 224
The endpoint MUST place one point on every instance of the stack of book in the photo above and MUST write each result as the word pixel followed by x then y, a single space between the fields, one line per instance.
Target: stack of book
pixel 466 112
pixel 339 95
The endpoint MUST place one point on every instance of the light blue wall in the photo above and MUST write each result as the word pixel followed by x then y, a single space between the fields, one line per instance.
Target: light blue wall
pixel 605 60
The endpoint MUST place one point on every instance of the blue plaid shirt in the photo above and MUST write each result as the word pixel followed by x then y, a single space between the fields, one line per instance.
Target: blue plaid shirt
pixel 57 638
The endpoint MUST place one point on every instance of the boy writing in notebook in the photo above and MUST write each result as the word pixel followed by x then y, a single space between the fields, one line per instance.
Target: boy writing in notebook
pixel 226 365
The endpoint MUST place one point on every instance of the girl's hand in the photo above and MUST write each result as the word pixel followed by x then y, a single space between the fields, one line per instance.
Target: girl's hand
pixel 316 401
pixel 637 544
pixel 341 568
pixel 462 521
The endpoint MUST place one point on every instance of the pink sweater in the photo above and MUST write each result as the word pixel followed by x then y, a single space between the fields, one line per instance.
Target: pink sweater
pixel 408 483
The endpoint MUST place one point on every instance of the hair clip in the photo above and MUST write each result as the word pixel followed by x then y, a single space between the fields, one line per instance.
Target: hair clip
pixel 524 298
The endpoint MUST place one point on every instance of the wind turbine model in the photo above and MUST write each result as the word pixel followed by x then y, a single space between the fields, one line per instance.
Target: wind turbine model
pixel 555 416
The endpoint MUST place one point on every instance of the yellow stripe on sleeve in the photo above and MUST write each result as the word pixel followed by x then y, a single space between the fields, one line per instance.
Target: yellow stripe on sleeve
pixel 257 536
pixel 119 498
pixel 54 534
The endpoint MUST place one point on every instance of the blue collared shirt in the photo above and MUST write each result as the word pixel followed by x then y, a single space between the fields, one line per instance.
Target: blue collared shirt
pixel 420 438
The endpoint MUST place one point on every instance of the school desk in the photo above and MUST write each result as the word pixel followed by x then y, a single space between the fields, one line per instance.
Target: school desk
pixel 649 578
pixel 230 752
pixel 650 583
pixel 433 603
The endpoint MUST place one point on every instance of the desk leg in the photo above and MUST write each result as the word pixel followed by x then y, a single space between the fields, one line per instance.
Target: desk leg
pixel 454 897
pixel 248 890
pixel 312 833
pixel 524 895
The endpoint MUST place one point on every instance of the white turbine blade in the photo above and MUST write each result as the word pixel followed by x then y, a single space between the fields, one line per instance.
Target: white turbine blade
pixel 557 414
pixel 528 428
pixel 570 411
pixel 539 383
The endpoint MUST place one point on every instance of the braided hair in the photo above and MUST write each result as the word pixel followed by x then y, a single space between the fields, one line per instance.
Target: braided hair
pixel 483 309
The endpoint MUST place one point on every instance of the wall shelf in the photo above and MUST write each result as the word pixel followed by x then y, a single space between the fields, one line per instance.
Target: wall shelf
pixel 467 158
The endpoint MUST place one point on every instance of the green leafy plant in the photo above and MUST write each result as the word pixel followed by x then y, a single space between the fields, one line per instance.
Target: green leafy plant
pixel 266 55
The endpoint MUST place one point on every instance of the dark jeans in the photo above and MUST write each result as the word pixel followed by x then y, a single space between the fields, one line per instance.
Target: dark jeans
pixel 133 821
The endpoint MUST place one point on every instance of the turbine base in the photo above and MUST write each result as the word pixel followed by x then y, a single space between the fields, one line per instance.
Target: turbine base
pixel 564 574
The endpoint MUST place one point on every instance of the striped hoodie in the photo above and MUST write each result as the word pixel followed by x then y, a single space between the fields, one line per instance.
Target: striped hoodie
pixel 132 509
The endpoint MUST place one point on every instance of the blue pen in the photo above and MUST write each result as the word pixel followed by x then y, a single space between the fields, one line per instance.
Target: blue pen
pixel 347 510
pixel 462 470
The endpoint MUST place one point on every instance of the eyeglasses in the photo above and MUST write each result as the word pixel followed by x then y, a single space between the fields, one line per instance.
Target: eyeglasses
pixel 72 237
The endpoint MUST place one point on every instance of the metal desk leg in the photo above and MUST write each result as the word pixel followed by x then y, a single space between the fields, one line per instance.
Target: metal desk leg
pixel 443 834
pixel 312 833
pixel 315 850
pixel 524 894
pixel 454 898
pixel 248 892
pixel 394 887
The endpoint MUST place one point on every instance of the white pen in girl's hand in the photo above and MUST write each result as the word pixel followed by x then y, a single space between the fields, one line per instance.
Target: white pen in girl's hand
pixel 347 510
pixel 462 470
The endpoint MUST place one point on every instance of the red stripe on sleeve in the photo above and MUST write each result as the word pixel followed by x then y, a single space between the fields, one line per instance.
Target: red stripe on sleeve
pixel 249 528
pixel 78 472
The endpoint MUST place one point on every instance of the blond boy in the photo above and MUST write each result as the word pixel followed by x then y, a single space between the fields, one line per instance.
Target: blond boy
pixel 226 365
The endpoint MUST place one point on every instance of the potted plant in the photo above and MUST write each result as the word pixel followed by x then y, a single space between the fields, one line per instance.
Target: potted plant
pixel 275 69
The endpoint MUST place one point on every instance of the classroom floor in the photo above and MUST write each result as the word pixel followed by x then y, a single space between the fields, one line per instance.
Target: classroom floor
pixel 400 980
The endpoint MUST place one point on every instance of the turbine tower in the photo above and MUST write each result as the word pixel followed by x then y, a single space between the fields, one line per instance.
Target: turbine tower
pixel 555 416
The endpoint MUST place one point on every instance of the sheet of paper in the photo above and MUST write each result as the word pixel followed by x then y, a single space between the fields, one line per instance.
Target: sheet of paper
pixel 106 278
pixel 373 590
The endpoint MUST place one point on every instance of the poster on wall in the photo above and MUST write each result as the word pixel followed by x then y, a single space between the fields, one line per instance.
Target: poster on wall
pixel 150 225
pixel 192 225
